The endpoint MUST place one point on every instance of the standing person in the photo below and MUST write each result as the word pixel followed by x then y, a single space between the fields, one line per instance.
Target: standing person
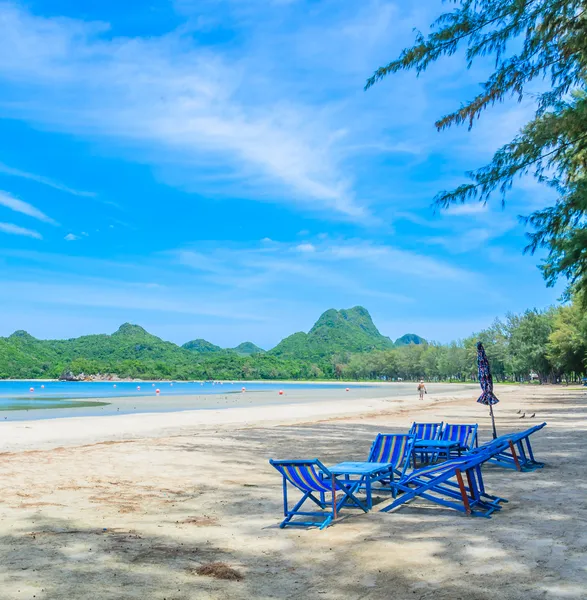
pixel 422 389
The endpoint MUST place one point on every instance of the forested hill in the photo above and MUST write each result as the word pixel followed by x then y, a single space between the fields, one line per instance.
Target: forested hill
pixel 133 352
pixel 336 331
pixel 544 345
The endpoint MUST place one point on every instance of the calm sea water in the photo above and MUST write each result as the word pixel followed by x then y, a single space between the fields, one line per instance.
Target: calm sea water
pixel 46 390
pixel 24 400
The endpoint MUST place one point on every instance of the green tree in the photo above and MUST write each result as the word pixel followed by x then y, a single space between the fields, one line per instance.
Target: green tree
pixel 567 347
pixel 550 38
pixel 528 343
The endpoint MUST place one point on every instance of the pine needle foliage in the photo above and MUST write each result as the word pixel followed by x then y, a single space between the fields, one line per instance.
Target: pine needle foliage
pixel 549 38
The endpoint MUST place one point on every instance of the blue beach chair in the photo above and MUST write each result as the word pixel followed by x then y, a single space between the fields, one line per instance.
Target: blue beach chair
pixel 426 431
pixel 465 435
pixel 314 481
pixel 394 449
pixel 516 453
pixel 456 483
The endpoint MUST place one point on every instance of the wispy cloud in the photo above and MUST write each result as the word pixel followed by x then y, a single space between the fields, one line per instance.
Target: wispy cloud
pixel 467 209
pixel 9 201
pixel 16 230
pixel 6 170
pixel 104 293
pixel 170 96
pixel 71 237
pixel 344 265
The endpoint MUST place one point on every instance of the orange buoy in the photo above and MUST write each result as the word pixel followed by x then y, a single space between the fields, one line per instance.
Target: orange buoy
pixel 138 387
pixel 157 391
pixel 42 387
pixel 348 389
pixel 31 389
pixel 281 392
pixel 244 389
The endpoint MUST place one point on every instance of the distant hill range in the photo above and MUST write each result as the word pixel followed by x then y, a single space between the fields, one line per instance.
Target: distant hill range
pixel 409 338
pixel 131 349
pixel 203 347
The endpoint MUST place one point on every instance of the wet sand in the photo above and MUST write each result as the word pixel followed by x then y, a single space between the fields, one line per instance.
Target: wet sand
pixel 87 512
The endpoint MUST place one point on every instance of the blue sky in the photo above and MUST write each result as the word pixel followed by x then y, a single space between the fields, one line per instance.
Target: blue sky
pixel 214 169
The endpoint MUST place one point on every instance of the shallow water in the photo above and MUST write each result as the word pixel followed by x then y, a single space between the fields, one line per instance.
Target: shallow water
pixel 58 399
pixel 26 400
pixel 122 389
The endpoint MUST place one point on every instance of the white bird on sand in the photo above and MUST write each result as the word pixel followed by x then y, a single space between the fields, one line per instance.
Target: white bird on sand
pixel 523 416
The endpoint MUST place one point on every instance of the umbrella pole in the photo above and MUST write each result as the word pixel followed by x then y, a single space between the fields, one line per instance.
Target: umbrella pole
pixel 492 421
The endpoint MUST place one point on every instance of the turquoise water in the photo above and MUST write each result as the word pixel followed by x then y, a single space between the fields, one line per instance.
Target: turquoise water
pixel 25 400
pixel 43 390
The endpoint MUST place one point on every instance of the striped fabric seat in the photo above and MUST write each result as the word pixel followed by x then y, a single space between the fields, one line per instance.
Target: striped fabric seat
pixel 513 450
pixel 426 431
pixel 391 448
pixel 465 435
pixel 305 477
pixel 436 469
pixel 456 483
pixel 314 481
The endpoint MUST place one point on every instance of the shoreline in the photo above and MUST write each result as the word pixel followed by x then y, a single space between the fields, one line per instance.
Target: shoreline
pixel 37 434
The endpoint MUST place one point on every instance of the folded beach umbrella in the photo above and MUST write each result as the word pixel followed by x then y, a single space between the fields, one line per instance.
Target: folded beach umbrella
pixel 486 382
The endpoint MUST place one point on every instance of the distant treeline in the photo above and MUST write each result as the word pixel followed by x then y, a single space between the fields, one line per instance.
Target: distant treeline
pixel 546 346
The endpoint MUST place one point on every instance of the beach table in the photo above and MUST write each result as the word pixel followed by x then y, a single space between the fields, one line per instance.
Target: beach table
pixel 356 475
pixel 435 448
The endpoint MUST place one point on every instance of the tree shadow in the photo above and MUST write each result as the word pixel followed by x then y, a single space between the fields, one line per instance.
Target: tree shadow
pixel 533 548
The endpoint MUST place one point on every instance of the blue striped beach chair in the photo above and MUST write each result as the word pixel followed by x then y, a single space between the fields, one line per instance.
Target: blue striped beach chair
pixel 394 449
pixel 516 453
pixel 465 435
pixel 456 483
pixel 426 431
pixel 315 482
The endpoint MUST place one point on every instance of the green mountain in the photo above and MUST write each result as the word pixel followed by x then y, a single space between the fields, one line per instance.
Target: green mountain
pixel 336 331
pixel 202 346
pixel 409 338
pixel 247 348
pixel 133 352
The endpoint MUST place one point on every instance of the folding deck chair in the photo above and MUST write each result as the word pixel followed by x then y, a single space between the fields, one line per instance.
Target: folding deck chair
pixel 465 435
pixel 425 431
pixel 517 452
pixel 395 449
pixel 456 483
pixel 314 481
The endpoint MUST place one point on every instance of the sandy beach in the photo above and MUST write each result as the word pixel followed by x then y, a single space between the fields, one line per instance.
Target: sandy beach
pixel 132 506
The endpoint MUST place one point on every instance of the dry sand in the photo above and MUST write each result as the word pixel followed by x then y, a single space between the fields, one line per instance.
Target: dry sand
pixel 143 506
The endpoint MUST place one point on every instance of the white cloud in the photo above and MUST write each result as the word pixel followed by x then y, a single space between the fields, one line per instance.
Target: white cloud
pixel 345 265
pixel 70 237
pixel 467 209
pixel 185 103
pixel 9 201
pixel 16 230
pixel 396 260
pixel 6 170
